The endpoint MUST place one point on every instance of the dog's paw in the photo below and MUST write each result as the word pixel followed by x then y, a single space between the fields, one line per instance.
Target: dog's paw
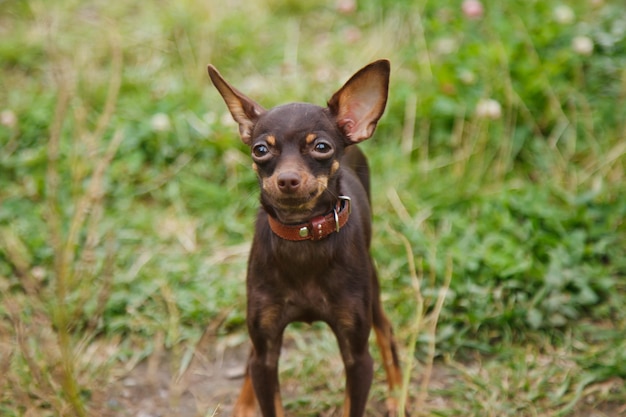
pixel 393 410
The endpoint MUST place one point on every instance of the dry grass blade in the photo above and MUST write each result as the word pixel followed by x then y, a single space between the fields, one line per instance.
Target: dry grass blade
pixel 91 204
pixel 41 384
pixel 416 280
pixel 433 319
pixel 61 261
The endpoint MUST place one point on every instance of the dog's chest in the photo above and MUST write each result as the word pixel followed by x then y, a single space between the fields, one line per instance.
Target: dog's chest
pixel 308 303
pixel 308 254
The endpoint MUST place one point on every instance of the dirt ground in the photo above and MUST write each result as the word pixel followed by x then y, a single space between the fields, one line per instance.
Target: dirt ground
pixel 210 384
pixel 208 387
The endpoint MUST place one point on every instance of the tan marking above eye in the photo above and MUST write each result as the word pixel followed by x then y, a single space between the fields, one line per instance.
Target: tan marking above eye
pixel 271 140
pixel 310 138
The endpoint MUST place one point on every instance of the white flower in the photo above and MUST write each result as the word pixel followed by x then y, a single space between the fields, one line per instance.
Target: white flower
pixel 346 6
pixel 8 118
pixel 488 108
pixel 467 77
pixel 160 122
pixel 582 45
pixel 472 9
pixel 445 46
pixel 352 34
pixel 38 272
pixel 563 14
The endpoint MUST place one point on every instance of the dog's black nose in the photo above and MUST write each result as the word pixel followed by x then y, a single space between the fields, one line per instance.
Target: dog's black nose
pixel 289 182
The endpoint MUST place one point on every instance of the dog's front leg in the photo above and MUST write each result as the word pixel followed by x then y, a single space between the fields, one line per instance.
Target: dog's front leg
pixel 359 372
pixel 352 337
pixel 264 374
pixel 266 334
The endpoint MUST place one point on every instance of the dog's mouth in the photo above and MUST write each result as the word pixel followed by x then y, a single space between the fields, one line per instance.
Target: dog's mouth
pixel 297 202
pixel 296 209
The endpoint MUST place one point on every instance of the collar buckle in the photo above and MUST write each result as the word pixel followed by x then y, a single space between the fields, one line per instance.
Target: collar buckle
pixel 343 200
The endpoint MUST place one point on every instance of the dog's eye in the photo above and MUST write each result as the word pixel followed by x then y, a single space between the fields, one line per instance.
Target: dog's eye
pixel 322 147
pixel 260 150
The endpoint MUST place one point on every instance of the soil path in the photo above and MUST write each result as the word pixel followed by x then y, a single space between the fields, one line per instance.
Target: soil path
pixel 210 383
pixel 207 387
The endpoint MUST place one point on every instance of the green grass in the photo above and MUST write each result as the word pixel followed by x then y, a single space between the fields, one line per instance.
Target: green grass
pixel 127 199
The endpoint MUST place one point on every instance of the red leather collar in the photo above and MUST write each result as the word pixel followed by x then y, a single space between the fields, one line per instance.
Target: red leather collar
pixel 318 227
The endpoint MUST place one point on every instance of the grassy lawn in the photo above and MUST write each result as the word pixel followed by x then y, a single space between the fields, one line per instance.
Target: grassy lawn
pixel 499 180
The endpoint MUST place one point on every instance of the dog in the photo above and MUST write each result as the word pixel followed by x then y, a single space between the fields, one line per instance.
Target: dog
pixel 310 257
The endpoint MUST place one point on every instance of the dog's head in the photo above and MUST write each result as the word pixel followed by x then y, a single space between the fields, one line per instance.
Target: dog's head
pixel 296 147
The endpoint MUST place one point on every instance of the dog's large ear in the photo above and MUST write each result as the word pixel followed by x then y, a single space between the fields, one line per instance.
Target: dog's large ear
pixel 245 111
pixel 359 104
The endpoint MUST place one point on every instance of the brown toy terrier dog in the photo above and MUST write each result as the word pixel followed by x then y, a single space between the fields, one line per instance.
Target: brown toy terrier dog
pixel 310 259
